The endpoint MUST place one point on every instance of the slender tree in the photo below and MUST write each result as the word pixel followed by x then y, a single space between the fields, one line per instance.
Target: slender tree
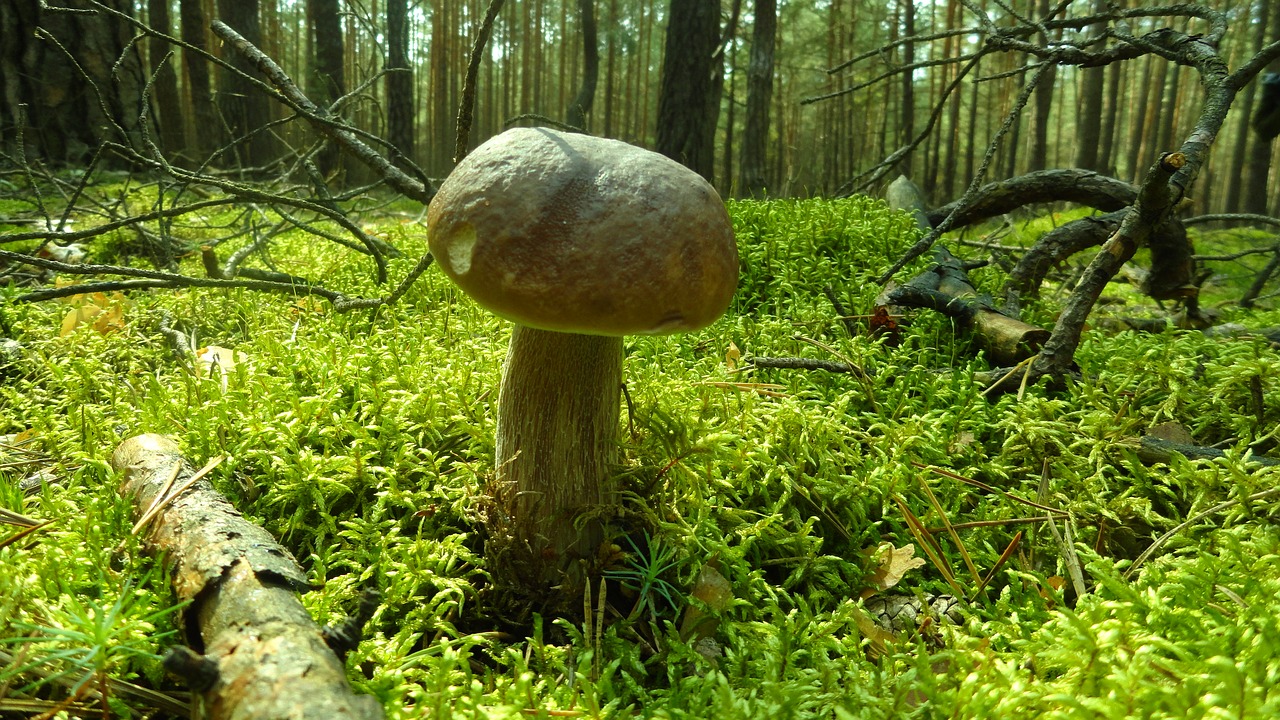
pixel 399 81
pixel 243 108
pixel 169 105
pixel 580 108
pixel 686 125
pixel 755 134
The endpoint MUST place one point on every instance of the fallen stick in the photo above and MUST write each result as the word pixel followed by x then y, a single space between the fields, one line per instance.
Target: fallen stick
pixel 263 655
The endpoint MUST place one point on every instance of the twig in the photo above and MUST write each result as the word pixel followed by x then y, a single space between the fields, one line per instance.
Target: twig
pixel 1225 505
pixel 466 107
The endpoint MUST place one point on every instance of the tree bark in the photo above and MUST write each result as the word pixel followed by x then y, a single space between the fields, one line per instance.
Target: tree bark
pixel 80 78
pixel 399 84
pixel 685 125
pixel 172 124
pixel 327 81
pixel 755 135
pixel 1089 119
pixel 263 655
pixel 244 110
pixel 198 86
pixel 1038 153
pixel 580 108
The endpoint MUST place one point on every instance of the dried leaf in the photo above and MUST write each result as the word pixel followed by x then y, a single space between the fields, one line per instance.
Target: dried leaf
pixel 890 565
pixel 1172 431
pixel 714 590
pixel 102 312
pixel 732 355
pixel 212 361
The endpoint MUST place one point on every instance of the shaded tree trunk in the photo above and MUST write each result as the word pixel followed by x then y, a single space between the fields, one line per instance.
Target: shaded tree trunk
pixel 755 135
pixel 243 108
pixel 199 89
pixel 686 126
pixel 1089 119
pixel 1259 164
pixel 1244 111
pixel 1106 154
pixel 327 81
pixel 1038 152
pixel 908 84
pixel 63 120
pixel 170 120
pixel 399 82
pixel 580 108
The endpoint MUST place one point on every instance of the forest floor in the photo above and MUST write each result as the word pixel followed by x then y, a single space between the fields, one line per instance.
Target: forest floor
pixel 362 442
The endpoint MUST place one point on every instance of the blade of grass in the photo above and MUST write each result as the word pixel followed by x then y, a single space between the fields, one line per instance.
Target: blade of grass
pixel 926 542
pixel 946 522
pixel 1004 557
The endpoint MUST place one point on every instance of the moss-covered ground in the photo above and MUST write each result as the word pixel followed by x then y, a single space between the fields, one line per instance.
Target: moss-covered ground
pixel 364 442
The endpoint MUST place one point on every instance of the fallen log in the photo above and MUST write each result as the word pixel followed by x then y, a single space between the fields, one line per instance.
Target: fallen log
pixel 258 654
pixel 945 288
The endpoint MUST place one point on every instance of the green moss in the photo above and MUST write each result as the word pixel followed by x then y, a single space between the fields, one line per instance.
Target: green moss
pixel 363 443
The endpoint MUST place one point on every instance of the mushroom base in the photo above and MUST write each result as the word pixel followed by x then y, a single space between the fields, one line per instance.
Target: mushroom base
pixel 556 446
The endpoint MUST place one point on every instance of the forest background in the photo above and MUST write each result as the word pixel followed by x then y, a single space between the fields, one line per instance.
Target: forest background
pixel 789 116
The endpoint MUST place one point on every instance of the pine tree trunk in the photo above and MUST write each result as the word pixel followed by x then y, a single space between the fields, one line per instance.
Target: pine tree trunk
pixel 580 108
pixel 199 89
pixel 399 82
pixel 755 135
pixel 686 126
pixel 172 124
pixel 242 106
pixel 326 82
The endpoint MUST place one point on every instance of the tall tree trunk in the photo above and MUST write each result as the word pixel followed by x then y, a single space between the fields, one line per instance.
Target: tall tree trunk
pixel 611 58
pixel 399 82
pixel 580 108
pixel 199 89
pixel 1244 110
pixel 908 83
pixel 72 104
pixel 1089 119
pixel 243 107
pixel 686 126
pixel 1255 196
pixel 1110 120
pixel 172 124
pixel 327 81
pixel 443 114
pixel 755 134
pixel 1038 153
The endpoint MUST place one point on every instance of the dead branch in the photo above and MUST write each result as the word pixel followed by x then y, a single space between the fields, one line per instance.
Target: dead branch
pixel 1084 187
pixel 263 655
pixel 466 108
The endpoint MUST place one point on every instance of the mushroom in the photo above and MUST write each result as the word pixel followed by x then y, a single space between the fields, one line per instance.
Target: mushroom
pixel 577 240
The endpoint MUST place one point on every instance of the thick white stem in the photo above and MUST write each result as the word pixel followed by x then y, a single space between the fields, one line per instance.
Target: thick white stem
pixel 556 444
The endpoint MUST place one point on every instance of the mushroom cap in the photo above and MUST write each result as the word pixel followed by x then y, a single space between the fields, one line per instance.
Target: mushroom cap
pixel 573 233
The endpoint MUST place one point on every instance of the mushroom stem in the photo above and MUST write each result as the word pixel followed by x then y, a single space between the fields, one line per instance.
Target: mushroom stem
pixel 556 444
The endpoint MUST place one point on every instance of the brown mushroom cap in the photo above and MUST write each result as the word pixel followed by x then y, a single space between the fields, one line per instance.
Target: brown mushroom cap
pixel 573 233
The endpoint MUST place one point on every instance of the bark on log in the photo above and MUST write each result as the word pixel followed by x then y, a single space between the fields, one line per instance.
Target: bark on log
pixel 1079 186
pixel 946 288
pixel 271 659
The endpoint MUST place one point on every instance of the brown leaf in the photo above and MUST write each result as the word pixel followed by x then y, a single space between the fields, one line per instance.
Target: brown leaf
pixel 714 590
pixel 1172 431
pixel 890 565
